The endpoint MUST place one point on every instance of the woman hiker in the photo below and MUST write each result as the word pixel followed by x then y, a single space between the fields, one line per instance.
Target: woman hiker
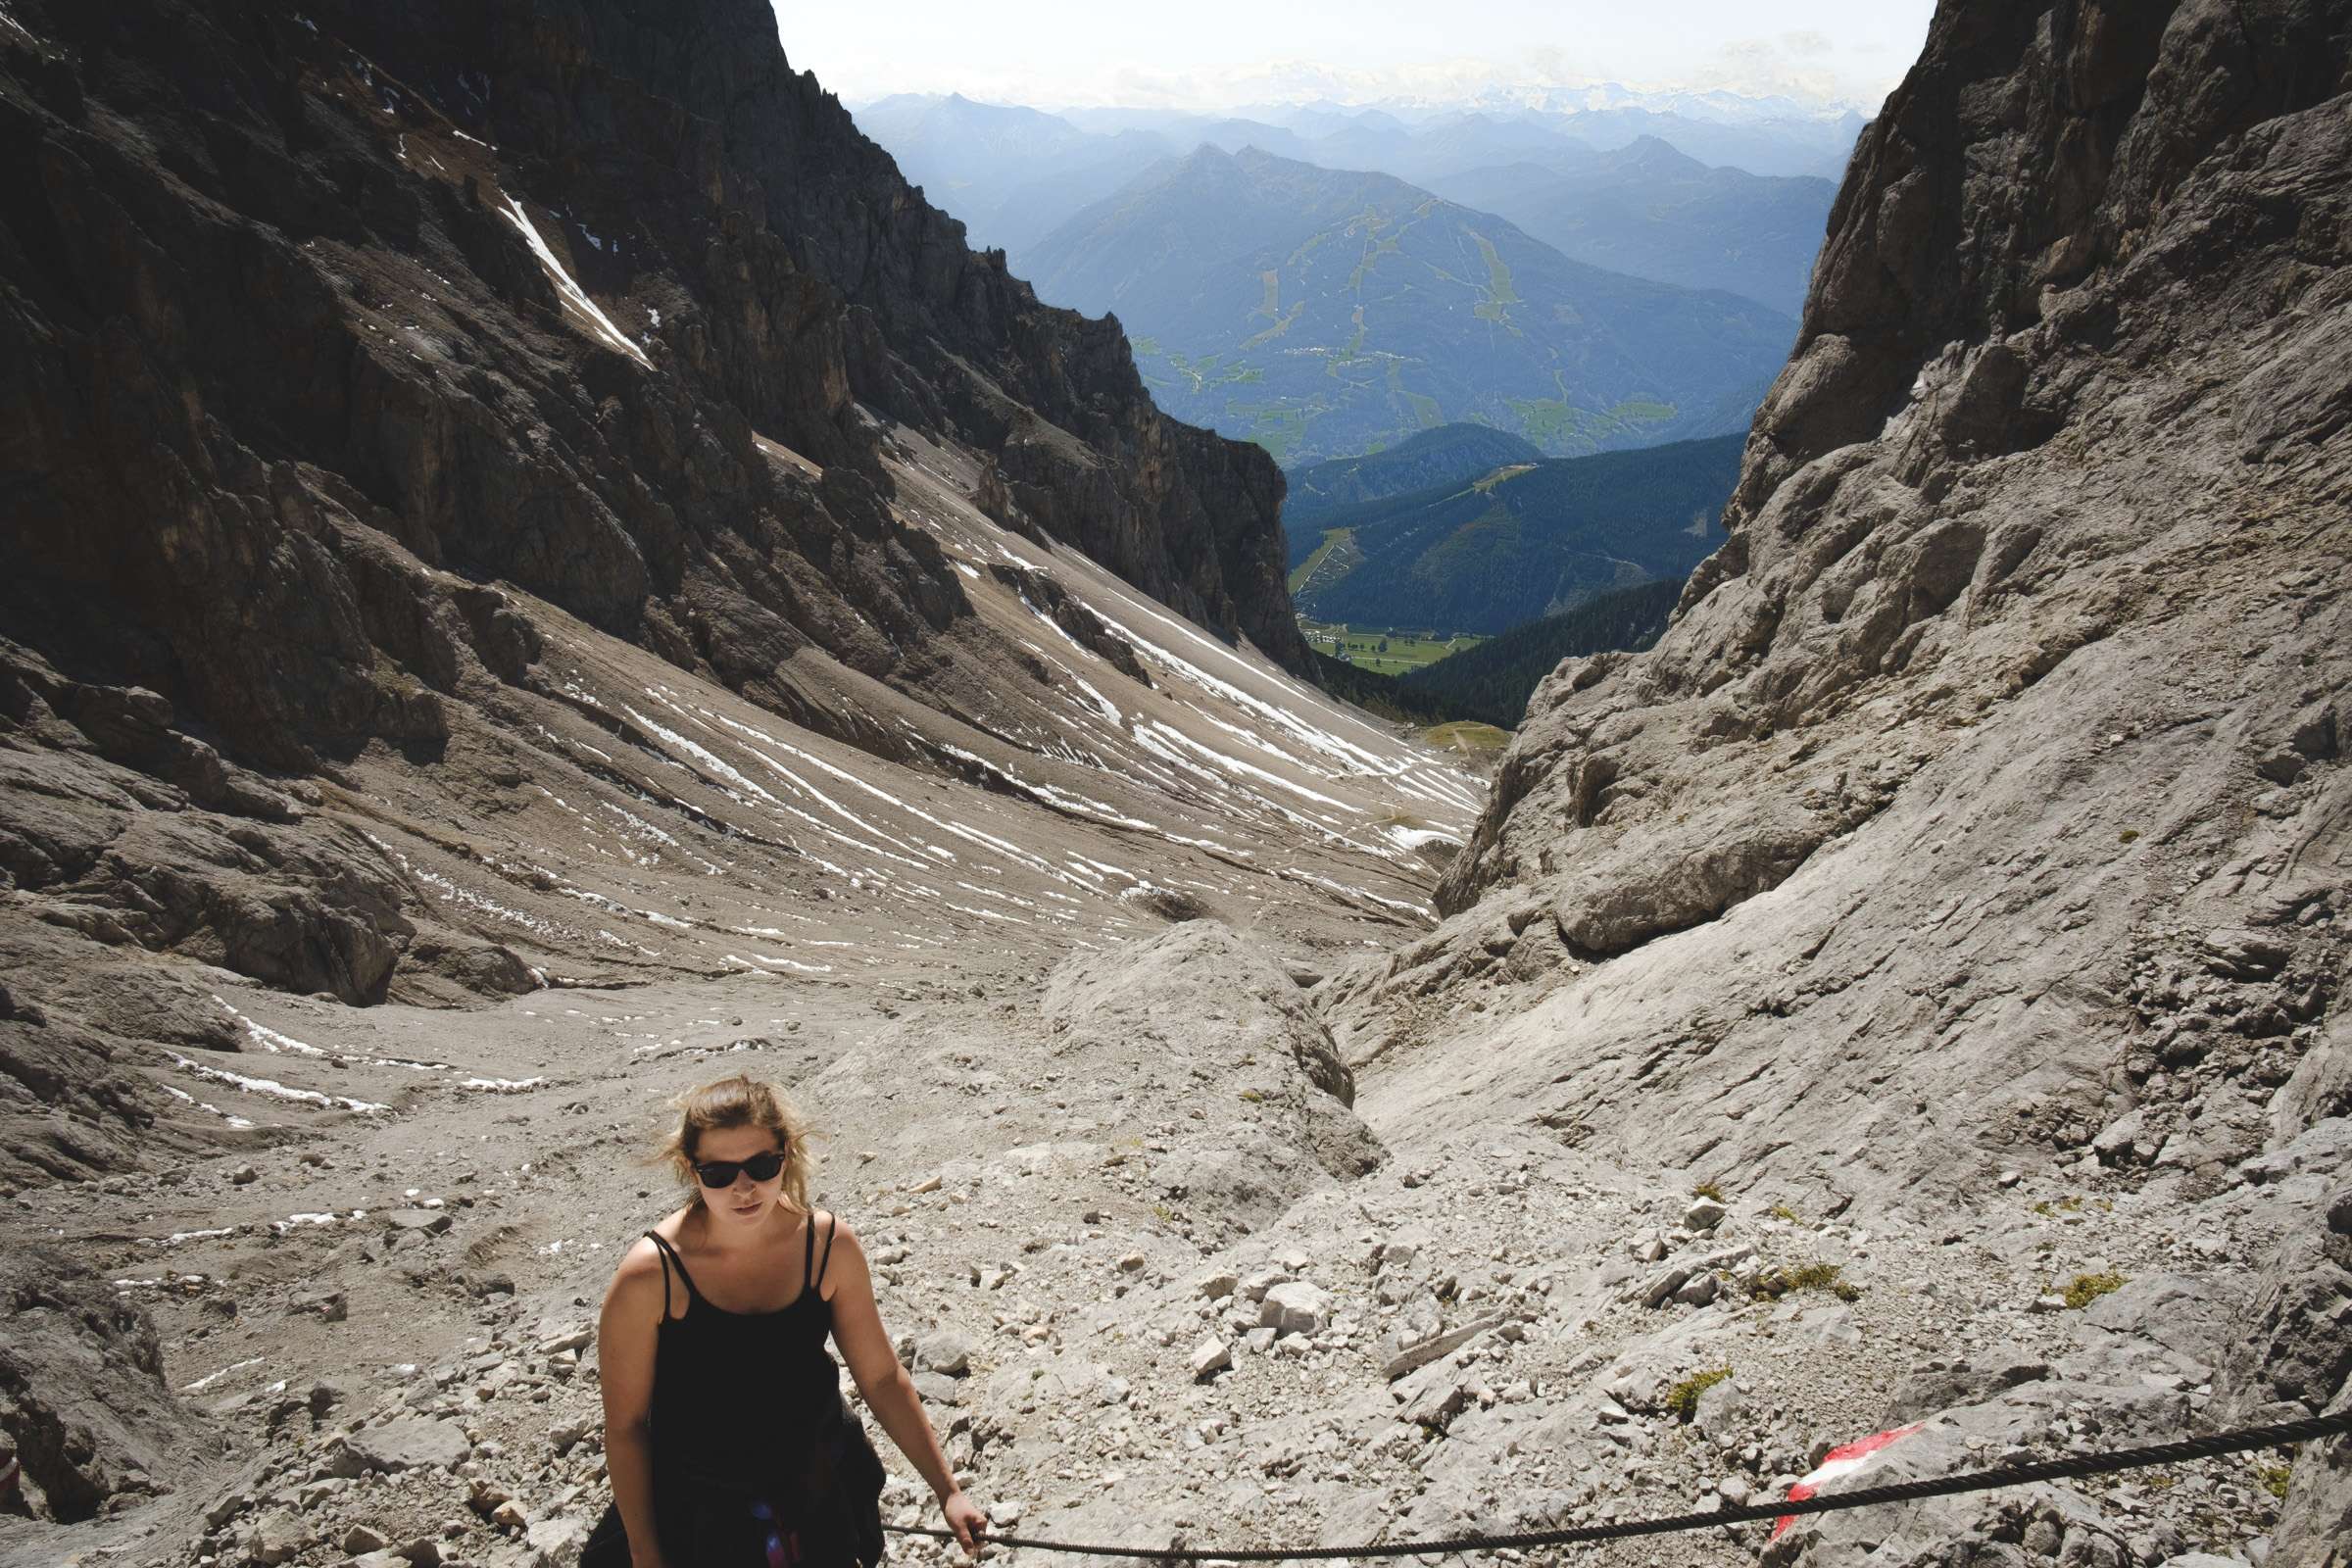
pixel 724 1432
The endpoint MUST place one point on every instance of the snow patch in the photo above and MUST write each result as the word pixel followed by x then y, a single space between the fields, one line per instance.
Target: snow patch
pixel 572 294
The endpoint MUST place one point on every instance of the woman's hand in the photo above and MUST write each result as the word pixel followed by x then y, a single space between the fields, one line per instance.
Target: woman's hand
pixel 963 1516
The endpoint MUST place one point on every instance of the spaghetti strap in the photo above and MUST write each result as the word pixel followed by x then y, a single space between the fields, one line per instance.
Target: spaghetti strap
pixel 670 1260
pixel 831 1231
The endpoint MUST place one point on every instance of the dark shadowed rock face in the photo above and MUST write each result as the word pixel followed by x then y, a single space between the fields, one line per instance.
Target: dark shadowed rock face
pixel 277 332
pixel 82 1398
pixel 301 352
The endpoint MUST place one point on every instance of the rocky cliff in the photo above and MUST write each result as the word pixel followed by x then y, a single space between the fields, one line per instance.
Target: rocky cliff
pixel 1984 810
pixel 521 291
pixel 372 376
pixel 334 346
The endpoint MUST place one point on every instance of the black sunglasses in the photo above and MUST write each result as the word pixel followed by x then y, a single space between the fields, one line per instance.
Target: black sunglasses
pixel 721 1172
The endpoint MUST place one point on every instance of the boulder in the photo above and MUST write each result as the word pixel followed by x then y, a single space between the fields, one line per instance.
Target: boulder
pixel 945 1351
pixel 1295 1307
pixel 84 1403
pixel 409 1443
pixel 555 1541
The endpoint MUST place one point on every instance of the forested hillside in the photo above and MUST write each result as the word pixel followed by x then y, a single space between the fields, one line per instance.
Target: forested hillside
pixel 1492 681
pixel 1523 542
pixel 1451 453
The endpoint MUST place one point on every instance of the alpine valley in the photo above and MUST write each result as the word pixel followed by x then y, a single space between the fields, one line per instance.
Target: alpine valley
pixel 542 570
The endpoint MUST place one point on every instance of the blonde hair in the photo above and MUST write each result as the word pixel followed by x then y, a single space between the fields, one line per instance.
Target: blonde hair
pixel 741 1102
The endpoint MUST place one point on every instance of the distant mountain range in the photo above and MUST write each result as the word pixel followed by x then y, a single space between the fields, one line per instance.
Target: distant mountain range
pixel 1650 210
pixel 1521 542
pixel 1323 313
pixel 1015 173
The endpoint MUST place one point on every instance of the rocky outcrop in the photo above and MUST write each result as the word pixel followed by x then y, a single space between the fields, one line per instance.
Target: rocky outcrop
pixel 315 330
pixel 2031 613
pixel 1217 1016
pixel 1985 805
pixel 82 1399
pixel 2033 225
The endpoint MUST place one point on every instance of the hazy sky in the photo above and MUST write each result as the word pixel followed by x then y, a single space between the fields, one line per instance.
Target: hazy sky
pixel 1217 54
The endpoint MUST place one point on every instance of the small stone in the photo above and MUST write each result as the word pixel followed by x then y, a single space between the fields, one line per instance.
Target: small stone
pixel 1661 1286
pixel 244 1175
pixel 417 1221
pixel 1422 1341
pixel 279 1536
pixel 361 1538
pixel 1255 1286
pixel 937 1387
pixel 946 1353
pixel 1697 1291
pixel 413 1443
pixel 556 1543
pixel 574 1337
pixel 1209 1357
pixel 328 1304
pixel 1295 1307
pixel 1705 1214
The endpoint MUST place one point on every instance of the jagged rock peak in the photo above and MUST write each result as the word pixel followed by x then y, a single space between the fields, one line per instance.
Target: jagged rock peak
pixel 520 289
pixel 2057 202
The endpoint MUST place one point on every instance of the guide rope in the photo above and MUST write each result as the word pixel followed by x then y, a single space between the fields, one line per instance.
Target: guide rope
pixel 2070 1468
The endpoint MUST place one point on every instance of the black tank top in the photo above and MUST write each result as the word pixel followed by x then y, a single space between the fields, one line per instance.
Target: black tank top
pixel 757 1462
pixel 745 1401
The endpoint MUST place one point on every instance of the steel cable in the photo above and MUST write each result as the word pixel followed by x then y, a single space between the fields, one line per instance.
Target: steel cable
pixel 2073 1467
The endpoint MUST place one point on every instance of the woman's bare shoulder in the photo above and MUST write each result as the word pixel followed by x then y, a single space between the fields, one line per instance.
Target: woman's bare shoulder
pixel 642 1260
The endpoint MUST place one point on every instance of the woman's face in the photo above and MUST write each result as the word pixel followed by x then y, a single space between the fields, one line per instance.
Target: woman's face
pixel 741 1200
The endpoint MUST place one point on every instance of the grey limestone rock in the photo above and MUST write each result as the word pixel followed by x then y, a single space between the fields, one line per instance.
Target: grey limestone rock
pixel 1209 996
pixel 1295 1307
pixel 409 1442
pixel 83 1404
pixel 1869 828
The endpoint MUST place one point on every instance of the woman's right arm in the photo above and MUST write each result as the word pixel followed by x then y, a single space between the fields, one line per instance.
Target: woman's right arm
pixel 625 1337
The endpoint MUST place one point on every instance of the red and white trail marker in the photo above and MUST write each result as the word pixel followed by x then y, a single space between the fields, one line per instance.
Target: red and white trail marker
pixel 1838 1463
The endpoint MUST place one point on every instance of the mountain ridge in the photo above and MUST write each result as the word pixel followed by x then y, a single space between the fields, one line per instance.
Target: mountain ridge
pixel 1451 451
pixel 1322 311
pixel 1652 210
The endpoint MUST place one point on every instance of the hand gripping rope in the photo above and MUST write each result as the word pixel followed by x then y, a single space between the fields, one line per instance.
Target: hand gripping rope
pixel 2070 1468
